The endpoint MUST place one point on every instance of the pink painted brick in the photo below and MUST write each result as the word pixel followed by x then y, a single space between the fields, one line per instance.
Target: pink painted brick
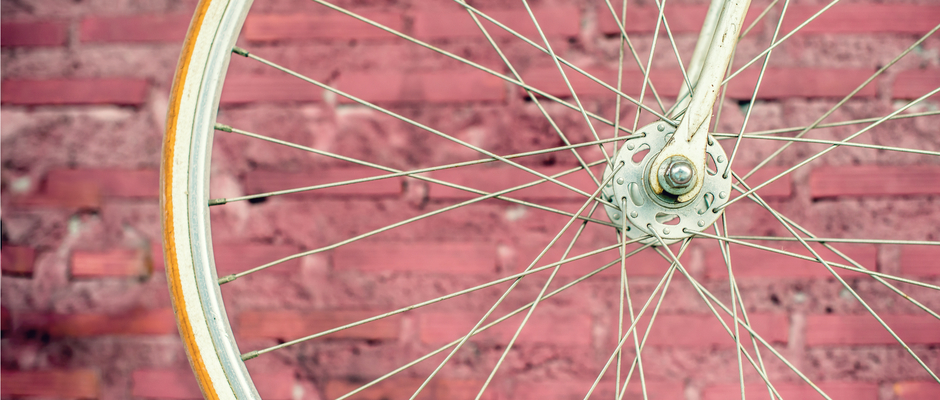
pixel 795 390
pixel 153 28
pixel 673 330
pixel 279 88
pixel 557 21
pixel 61 384
pixel 404 387
pixel 18 260
pixel 232 258
pixel 430 86
pixel 749 262
pixel 563 389
pixel 682 18
pixel 110 263
pixel 6 322
pixel 920 261
pixel 261 181
pixel 181 384
pixel 549 80
pixel 333 26
pixel 444 327
pixel 873 180
pixel 801 82
pixel 292 324
pixel 916 390
pixel 822 330
pixel 496 179
pixel 424 257
pixel 117 183
pixel 38 33
pixel 912 84
pixel 780 188
pixel 644 263
pixel 158 321
pixel 863 18
pixel 119 91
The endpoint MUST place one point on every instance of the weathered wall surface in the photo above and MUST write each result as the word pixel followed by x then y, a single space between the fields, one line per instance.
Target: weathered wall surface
pixel 86 311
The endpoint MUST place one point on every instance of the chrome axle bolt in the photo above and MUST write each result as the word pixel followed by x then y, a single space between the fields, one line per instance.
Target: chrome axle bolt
pixel 676 175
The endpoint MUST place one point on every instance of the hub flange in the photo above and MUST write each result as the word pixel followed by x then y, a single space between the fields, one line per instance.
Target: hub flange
pixel 643 208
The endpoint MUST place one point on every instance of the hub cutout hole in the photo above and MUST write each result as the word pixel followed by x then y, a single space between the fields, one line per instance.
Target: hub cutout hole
pixel 667 219
pixel 710 165
pixel 640 153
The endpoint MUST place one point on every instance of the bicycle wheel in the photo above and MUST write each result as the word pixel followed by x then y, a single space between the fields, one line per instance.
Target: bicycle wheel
pixel 393 200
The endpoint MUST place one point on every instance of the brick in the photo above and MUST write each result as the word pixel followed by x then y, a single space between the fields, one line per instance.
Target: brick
pixel 63 384
pixel 824 330
pixel 795 390
pixel 749 262
pixel 38 33
pixel 153 28
pixel 873 180
pixel 682 18
pixel 67 195
pixel 18 260
pixel 182 385
pixel 119 91
pixel 403 388
pixel 576 389
pixel 268 181
pixel 422 87
pixel 549 80
pixel 920 261
pixel 644 263
pixel 444 327
pixel 779 83
pixel 333 26
pixel 781 188
pixel 158 321
pixel 135 184
pixel 916 390
pixel 672 330
pixel 281 88
pixel 912 84
pixel 433 24
pixel 864 18
pixel 292 324
pixel 6 321
pixel 110 263
pixel 494 179
pixel 425 257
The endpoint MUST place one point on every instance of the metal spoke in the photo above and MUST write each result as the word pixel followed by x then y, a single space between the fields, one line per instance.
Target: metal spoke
pixel 837 105
pixel 830 142
pixel 232 277
pixel 411 173
pixel 649 66
pixel 408 120
pixel 839 240
pixel 733 286
pixel 625 39
pixel 513 285
pixel 487 326
pixel 831 125
pixel 625 293
pixel 747 115
pixel 536 100
pixel 706 295
pixel 820 154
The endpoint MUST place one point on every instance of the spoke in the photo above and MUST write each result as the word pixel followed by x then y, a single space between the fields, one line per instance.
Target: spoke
pixel 672 41
pixel 649 66
pixel 395 172
pixel 832 142
pixel 747 115
pixel 839 240
pixel 412 122
pixel 847 287
pixel 733 288
pixel 513 285
pixel 232 277
pixel 831 125
pixel 820 154
pixel 839 104
pixel 703 292
pixel 486 327
pixel 625 39
pixel 535 99
pixel 625 293
pixel 783 39
pixel 564 76
pixel 411 173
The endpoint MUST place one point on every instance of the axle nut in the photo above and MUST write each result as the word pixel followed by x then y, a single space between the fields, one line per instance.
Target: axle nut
pixel 676 175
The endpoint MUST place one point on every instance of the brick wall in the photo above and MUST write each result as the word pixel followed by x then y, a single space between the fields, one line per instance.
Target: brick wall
pixel 86 312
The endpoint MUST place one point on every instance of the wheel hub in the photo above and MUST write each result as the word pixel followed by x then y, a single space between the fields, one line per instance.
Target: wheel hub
pixel 646 211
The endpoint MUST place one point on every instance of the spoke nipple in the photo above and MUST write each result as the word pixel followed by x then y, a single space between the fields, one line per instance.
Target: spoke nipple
pixel 222 127
pixel 240 51
pixel 217 202
pixel 227 279
pixel 249 355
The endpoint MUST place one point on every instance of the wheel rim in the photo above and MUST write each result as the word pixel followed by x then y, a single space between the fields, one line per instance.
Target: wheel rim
pixel 204 266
